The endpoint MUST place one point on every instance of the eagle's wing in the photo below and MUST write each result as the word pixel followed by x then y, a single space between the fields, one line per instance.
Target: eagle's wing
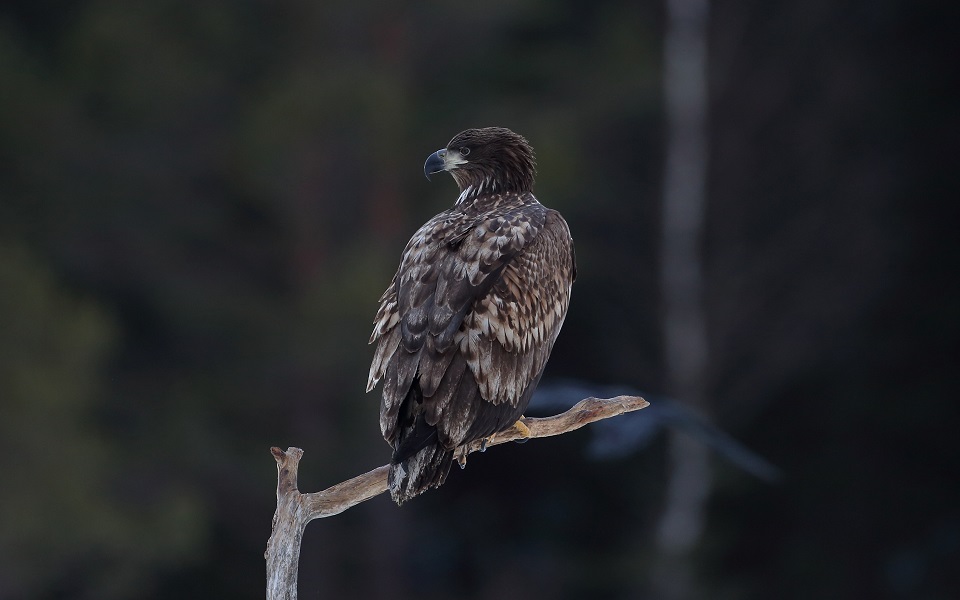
pixel 474 310
pixel 508 336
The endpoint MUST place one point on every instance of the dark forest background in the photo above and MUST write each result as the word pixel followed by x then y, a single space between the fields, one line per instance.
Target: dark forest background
pixel 201 202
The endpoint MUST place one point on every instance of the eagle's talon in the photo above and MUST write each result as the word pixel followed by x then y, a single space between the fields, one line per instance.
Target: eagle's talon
pixel 483 444
pixel 521 428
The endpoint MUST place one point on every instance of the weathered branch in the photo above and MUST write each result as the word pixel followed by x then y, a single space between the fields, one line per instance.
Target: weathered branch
pixel 295 510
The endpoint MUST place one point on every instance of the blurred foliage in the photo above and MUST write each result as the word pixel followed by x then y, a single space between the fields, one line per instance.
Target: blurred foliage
pixel 73 509
pixel 201 202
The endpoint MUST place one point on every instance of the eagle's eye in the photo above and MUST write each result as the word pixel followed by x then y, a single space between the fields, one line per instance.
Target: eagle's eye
pixel 464 151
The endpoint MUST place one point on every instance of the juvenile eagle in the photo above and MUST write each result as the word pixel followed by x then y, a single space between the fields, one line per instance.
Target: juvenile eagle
pixel 466 326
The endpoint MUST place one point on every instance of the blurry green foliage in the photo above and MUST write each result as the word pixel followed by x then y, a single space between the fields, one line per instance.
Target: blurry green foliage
pixel 66 515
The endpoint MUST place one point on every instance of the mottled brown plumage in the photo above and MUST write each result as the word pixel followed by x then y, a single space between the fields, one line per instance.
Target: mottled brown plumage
pixel 466 326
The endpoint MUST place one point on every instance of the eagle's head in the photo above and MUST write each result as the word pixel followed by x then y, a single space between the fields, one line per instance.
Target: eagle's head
pixel 490 160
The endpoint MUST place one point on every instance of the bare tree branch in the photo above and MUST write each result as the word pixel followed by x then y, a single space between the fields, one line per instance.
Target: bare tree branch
pixel 295 510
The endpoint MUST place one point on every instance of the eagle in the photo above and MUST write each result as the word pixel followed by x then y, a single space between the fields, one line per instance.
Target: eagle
pixel 466 326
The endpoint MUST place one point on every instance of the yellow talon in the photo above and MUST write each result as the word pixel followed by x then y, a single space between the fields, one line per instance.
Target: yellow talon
pixel 521 428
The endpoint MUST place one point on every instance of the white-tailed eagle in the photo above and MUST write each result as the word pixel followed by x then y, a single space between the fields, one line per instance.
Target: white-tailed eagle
pixel 466 326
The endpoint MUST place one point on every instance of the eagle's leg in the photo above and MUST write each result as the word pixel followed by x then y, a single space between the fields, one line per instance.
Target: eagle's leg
pixel 521 428
pixel 460 455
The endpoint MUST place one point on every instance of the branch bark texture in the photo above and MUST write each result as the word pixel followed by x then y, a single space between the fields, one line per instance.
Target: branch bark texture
pixel 295 509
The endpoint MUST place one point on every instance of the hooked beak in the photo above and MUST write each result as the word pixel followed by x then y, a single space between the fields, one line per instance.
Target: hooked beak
pixel 435 163
pixel 443 160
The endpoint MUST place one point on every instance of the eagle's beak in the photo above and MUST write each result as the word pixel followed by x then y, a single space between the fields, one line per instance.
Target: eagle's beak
pixel 435 163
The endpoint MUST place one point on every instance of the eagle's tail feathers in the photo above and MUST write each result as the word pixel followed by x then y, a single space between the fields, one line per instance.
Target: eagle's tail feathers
pixel 413 439
pixel 427 468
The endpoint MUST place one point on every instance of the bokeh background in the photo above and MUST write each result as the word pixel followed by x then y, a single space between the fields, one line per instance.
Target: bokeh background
pixel 200 203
